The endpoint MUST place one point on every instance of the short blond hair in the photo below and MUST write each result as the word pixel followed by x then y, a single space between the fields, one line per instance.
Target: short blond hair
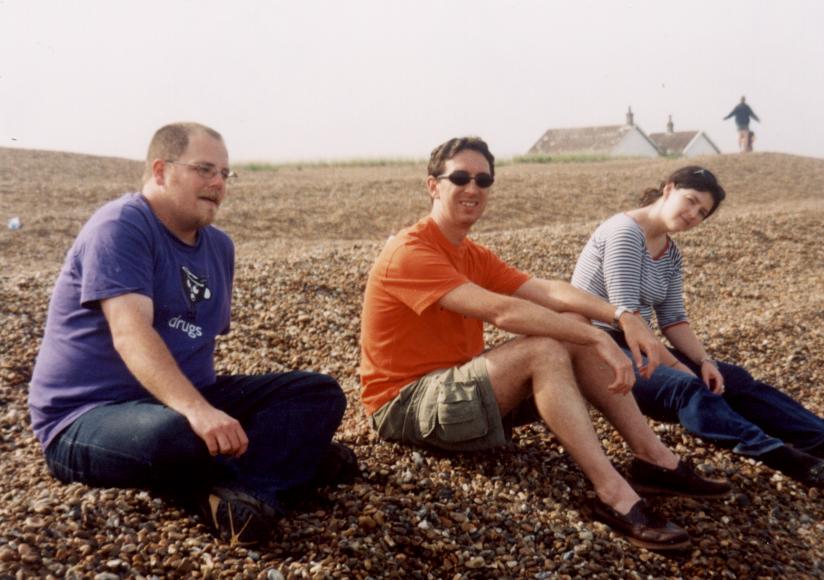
pixel 171 141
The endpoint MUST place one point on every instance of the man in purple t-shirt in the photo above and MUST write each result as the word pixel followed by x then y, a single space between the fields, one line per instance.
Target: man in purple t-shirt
pixel 124 391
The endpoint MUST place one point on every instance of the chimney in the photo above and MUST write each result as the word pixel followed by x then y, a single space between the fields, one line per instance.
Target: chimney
pixel 630 120
pixel 670 126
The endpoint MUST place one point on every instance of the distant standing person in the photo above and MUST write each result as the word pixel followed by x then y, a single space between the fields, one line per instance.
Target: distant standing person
pixel 742 113
pixel 124 391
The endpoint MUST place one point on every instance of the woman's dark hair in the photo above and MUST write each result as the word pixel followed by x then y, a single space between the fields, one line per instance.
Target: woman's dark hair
pixel 446 151
pixel 689 177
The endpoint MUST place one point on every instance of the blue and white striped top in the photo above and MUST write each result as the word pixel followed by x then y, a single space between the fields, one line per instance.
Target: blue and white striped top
pixel 616 266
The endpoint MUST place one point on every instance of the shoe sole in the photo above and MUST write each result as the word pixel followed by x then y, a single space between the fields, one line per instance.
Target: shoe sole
pixel 657 547
pixel 643 489
pixel 234 536
pixel 679 547
pixel 222 506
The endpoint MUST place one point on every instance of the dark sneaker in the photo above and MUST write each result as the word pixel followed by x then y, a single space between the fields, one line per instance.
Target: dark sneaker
pixel 339 465
pixel 816 451
pixel 650 479
pixel 642 526
pixel 796 464
pixel 237 517
pixel 815 476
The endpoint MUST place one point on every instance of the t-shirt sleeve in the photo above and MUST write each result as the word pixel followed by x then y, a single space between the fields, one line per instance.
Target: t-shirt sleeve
pixel 419 276
pixel 623 256
pixel 230 265
pixel 671 310
pixel 115 259
pixel 500 277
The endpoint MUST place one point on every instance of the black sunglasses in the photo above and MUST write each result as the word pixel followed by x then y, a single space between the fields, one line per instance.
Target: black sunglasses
pixel 482 180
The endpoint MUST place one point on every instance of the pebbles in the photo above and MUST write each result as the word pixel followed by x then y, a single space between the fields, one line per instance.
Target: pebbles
pixel 755 286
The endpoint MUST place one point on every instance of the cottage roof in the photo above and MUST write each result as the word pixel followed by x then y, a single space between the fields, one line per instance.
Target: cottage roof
pixel 590 140
pixel 675 142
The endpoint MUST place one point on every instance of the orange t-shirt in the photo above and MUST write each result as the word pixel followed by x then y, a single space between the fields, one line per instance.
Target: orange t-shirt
pixel 405 334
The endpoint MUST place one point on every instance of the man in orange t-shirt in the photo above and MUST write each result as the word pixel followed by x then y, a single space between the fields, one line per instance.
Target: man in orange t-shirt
pixel 428 381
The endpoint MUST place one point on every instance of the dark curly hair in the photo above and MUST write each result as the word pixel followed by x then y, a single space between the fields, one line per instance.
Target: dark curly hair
pixel 689 177
pixel 446 151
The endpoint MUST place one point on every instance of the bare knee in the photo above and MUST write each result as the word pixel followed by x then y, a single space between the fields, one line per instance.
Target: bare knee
pixel 519 366
pixel 519 360
pixel 546 352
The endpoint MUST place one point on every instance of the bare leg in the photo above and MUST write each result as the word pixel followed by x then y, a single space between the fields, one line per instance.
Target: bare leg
pixel 621 410
pixel 542 367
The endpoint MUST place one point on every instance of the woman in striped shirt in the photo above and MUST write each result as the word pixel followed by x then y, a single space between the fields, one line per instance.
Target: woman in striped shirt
pixel 631 261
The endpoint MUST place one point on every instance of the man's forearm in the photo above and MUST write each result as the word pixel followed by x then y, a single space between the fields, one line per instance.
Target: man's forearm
pixel 151 363
pixel 518 314
pixel 149 360
pixel 522 316
pixel 562 296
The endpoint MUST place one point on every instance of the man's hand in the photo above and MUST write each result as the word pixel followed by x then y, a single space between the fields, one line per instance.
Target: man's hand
pixel 222 433
pixel 641 343
pixel 611 353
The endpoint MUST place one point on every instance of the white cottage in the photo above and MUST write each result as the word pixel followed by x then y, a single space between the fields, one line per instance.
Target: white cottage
pixel 684 143
pixel 626 140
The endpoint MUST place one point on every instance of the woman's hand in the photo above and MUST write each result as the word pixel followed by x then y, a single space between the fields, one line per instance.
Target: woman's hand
pixel 712 377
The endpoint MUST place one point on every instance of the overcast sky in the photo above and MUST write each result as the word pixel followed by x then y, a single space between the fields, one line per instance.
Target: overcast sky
pixel 338 79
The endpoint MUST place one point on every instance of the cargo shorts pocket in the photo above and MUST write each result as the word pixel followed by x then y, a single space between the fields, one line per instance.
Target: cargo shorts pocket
pixel 455 414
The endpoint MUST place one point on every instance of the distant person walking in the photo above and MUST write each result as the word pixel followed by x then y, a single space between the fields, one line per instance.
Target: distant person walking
pixel 742 113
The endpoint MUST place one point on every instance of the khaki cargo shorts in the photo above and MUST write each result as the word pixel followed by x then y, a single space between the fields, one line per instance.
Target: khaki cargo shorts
pixel 453 409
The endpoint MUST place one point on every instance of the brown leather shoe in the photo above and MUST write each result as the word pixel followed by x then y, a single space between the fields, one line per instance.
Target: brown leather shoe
pixel 642 526
pixel 650 479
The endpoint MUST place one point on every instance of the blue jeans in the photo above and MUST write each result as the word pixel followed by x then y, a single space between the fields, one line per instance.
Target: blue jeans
pixel 289 419
pixel 751 417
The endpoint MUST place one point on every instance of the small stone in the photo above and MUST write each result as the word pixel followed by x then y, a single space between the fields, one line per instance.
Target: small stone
pixel 475 562
pixel 28 554
pixel 367 522
pixel 42 505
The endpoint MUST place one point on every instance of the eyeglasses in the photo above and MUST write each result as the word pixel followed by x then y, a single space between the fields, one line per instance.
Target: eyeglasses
pixel 207 172
pixel 460 178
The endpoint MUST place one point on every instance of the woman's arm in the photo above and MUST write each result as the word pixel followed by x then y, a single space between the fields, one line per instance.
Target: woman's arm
pixel 668 359
pixel 684 339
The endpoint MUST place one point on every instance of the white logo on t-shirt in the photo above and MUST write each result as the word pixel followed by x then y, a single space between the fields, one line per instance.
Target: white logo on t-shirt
pixel 195 286
pixel 193 330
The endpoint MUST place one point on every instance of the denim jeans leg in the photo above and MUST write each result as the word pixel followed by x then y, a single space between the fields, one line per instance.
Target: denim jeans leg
pixel 773 411
pixel 136 444
pixel 289 418
pixel 674 396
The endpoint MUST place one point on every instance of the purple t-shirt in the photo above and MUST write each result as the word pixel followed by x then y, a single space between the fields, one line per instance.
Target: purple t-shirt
pixel 122 249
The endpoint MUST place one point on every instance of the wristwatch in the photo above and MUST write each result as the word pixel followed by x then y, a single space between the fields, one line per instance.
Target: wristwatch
pixel 619 312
